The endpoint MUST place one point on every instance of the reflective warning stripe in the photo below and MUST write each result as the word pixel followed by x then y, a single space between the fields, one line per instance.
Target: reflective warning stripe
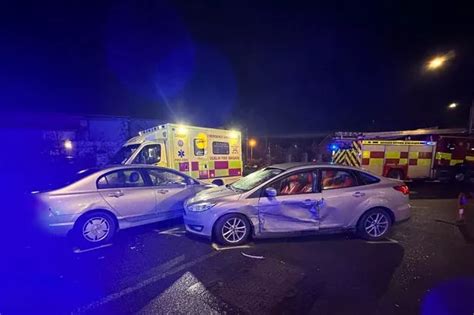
pixel 397 142
pixel 348 156
pixel 455 162
pixel 443 156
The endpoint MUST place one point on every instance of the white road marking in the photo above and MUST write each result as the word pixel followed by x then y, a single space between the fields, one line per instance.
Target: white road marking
pixel 387 241
pixel 163 271
pixel 174 232
pixel 252 256
pixel 80 251
pixel 219 248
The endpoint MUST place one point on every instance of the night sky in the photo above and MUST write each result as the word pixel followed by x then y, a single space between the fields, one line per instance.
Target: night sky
pixel 273 67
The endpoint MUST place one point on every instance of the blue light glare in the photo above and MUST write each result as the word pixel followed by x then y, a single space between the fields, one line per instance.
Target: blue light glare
pixel 333 147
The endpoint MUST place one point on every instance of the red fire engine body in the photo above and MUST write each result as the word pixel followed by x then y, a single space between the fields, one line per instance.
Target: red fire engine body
pixel 442 154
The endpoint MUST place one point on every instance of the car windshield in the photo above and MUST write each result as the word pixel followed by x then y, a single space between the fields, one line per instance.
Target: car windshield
pixel 124 154
pixel 251 181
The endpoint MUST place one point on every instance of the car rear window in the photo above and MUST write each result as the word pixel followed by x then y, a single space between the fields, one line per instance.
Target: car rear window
pixel 367 179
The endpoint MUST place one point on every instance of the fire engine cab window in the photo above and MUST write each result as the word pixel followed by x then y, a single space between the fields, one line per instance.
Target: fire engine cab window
pixel 199 149
pixel 334 179
pixel 295 184
pixel 221 148
pixel 151 154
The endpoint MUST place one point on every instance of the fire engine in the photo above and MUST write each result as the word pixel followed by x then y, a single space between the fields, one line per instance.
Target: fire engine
pixel 209 154
pixel 444 154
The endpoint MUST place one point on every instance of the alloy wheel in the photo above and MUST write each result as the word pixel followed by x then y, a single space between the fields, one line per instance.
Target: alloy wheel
pixel 377 224
pixel 96 229
pixel 234 230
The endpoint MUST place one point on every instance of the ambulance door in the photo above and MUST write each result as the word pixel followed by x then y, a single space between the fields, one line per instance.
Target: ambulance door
pixel 199 155
pixel 181 153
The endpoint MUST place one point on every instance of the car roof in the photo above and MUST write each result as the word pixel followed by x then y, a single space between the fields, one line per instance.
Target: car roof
pixel 108 168
pixel 296 165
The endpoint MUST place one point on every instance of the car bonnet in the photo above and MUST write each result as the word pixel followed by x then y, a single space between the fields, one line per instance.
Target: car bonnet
pixel 214 194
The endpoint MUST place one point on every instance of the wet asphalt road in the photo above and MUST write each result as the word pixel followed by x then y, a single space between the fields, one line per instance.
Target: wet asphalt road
pixel 426 266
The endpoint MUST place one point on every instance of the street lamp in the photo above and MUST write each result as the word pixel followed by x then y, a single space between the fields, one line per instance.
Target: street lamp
pixel 68 144
pixel 452 105
pixel 436 63
pixel 252 143
pixel 439 61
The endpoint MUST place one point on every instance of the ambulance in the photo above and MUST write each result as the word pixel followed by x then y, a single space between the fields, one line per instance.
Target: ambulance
pixel 208 154
pixel 443 154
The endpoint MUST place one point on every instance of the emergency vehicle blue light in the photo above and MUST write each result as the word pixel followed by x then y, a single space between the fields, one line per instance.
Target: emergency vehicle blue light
pixel 333 147
pixel 430 142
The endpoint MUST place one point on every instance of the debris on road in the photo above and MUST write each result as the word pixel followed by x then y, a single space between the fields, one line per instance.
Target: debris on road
pixel 80 251
pixel 219 248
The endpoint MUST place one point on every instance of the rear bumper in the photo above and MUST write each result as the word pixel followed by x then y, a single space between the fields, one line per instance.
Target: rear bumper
pixel 402 213
pixel 60 229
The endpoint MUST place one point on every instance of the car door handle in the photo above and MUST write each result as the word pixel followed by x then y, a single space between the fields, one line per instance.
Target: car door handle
pixel 162 191
pixel 116 194
pixel 358 194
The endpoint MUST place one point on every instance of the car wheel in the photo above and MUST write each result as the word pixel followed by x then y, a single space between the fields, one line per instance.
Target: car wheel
pixel 232 229
pixel 95 229
pixel 374 224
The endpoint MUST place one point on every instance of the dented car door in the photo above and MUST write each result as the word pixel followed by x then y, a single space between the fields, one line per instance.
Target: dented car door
pixel 295 206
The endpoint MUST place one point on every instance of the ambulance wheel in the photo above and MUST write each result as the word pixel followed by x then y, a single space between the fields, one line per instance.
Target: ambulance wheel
pixel 395 174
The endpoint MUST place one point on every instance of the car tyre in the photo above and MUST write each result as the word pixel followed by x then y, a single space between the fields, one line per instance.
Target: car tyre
pixel 374 225
pixel 232 230
pixel 94 229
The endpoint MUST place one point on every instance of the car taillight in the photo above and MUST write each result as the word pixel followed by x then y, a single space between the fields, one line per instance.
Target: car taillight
pixel 403 189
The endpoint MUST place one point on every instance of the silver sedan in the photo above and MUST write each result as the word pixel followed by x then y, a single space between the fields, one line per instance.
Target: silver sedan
pixel 298 198
pixel 95 205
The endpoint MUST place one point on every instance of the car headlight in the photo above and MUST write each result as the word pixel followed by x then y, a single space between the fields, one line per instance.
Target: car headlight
pixel 198 207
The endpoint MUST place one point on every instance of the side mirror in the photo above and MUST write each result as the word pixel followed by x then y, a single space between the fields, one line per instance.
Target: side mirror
pixel 270 192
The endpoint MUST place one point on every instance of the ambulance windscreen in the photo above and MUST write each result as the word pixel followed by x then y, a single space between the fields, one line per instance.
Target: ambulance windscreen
pixel 123 154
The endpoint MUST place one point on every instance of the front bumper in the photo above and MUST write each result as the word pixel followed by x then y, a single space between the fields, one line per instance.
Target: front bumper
pixel 199 223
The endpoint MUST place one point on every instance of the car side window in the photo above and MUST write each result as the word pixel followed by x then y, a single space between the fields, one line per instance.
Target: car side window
pixel 165 178
pixel 295 184
pixel 335 179
pixel 121 179
pixel 150 154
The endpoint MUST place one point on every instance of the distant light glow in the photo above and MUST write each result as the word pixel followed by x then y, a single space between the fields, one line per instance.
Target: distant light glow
pixel 453 105
pixel 436 62
pixel 333 147
pixel 68 144
pixel 181 130
pixel 234 134
pixel 439 61
pixel 252 142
